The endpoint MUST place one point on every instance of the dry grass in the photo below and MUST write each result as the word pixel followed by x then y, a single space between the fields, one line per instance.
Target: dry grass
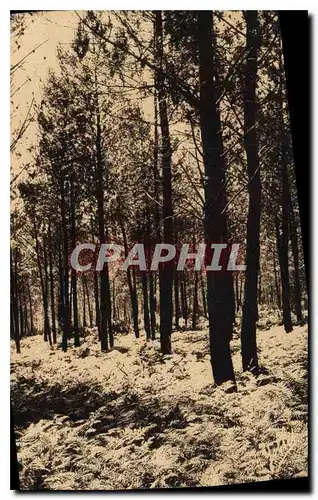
pixel 133 418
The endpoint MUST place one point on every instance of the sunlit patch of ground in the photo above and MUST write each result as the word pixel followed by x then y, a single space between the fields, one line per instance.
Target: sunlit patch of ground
pixel 132 418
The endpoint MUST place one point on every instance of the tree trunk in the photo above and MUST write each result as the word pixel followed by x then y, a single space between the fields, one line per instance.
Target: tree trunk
pixel 176 299
pixel 96 295
pixel 97 310
pixel 132 289
pixel 218 283
pixel 27 329
pixel 184 298
pixel 65 281
pixel 282 247
pixel 90 315
pixel 237 292
pixel 282 228
pixel 51 288
pixel 195 301
pixel 166 268
pixel 109 306
pixel 294 246
pixel 46 292
pixel 14 296
pixel 202 285
pixel 114 301
pixel 152 304
pixel 250 310
pixel 84 303
pixel 144 282
pixel 277 288
pixel 73 271
pixel 104 284
pixel 43 283
pixel 30 308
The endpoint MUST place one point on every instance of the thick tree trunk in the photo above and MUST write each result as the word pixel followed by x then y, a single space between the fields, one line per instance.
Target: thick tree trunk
pixel 156 197
pixel 167 268
pixel 104 284
pixel 250 310
pixel 219 284
pixel 282 233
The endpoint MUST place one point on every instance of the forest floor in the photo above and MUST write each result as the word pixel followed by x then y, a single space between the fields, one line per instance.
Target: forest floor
pixel 133 418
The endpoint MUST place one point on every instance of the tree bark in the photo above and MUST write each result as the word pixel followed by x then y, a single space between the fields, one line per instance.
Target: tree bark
pixel 131 287
pixel 282 233
pixel 176 299
pixel 14 295
pixel 144 281
pixel 294 246
pixel 73 271
pixel 51 288
pixel 97 310
pixel 90 315
pixel 218 283
pixel 152 304
pixel 282 247
pixel 47 335
pixel 203 288
pixel 277 288
pixel 195 301
pixel 166 268
pixel 96 295
pixel 104 283
pixel 30 308
pixel 65 280
pixel 84 303
pixel 250 310
pixel 46 292
pixel 184 298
